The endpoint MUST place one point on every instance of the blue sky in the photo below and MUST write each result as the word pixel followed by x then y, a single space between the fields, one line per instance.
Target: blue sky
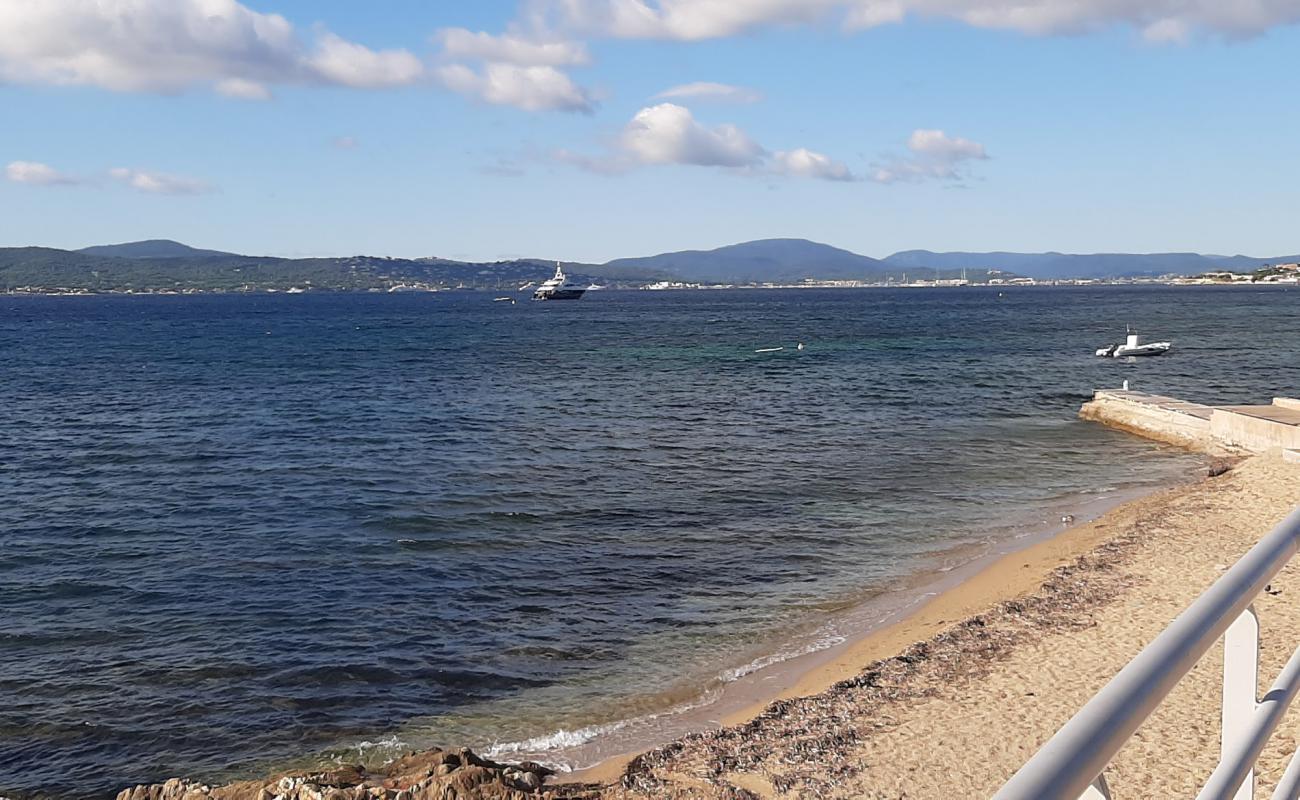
pixel 540 128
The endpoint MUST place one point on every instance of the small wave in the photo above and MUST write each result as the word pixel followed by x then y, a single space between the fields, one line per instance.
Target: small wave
pixel 825 643
pixel 384 751
pixel 387 743
pixel 559 740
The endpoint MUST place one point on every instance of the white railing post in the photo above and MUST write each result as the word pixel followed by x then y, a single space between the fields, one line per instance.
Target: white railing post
pixel 1240 690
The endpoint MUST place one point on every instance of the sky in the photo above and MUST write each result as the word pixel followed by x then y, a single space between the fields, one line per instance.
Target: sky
pixel 588 130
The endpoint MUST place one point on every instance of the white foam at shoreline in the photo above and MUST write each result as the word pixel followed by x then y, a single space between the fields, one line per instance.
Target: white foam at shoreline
pixel 824 643
pixel 559 740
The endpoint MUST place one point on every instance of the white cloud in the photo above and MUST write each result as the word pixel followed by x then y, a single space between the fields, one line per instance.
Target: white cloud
pixel 668 134
pixel 462 44
pixel 37 174
pixel 934 155
pixel 939 145
pixel 672 19
pixel 174 45
pixel 537 88
pixel 707 91
pixel 242 89
pixel 513 70
pixel 1157 20
pixel 805 163
pixel 158 182
pixel 338 61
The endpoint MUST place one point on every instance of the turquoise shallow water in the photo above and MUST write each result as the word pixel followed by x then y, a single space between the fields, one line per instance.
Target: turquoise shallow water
pixel 240 530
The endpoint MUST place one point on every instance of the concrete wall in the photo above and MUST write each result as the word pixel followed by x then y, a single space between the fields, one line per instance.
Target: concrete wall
pixel 1218 430
pixel 1150 421
pixel 1243 432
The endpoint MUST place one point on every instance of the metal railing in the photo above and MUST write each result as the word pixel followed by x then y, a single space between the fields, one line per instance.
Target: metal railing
pixel 1071 764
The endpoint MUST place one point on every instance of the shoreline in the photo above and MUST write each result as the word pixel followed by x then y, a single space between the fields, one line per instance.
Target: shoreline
pixel 788 663
pixel 1009 569
pixel 1045 283
pixel 793 665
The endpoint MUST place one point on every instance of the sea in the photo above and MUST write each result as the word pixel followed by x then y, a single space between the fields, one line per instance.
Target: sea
pixel 244 532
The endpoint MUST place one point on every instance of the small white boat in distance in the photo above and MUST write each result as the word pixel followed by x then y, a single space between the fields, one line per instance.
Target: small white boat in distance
pixel 559 287
pixel 1132 347
pixel 509 300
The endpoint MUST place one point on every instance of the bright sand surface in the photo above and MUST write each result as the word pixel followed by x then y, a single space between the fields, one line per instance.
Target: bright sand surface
pixel 952 700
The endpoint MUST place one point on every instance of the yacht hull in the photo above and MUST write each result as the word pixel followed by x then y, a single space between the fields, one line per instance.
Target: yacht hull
pixel 561 294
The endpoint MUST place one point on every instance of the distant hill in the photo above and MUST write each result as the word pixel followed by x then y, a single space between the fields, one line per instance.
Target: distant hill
pixel 765 260
pixel 151 248
pixel 1095 265
pixel 1250 263
pixel 49 269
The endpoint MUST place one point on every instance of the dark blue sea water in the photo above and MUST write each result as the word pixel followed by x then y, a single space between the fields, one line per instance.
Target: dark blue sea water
pixel 236 531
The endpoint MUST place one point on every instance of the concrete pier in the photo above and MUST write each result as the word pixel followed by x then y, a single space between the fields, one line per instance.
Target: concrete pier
pixel 1219 430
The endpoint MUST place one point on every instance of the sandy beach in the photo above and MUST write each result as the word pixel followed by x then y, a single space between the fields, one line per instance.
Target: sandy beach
pixel 952 700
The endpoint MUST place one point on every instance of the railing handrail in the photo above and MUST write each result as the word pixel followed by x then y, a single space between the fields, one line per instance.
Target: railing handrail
pixel 1072 759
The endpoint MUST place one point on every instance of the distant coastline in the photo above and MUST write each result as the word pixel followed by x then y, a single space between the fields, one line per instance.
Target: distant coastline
pixel 57 291
pixel 167 267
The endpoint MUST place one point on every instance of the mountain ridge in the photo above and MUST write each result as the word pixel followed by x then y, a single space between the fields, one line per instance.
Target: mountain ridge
pixel 152 248
pixel 782 260
pixel 759 261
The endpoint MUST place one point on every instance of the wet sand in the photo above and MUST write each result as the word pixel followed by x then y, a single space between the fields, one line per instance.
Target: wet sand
pixel 950 701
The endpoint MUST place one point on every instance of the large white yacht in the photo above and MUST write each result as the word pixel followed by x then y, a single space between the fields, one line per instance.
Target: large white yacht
pixel 559 287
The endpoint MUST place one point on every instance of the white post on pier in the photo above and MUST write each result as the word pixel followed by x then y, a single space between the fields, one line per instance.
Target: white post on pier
pixel 1240 685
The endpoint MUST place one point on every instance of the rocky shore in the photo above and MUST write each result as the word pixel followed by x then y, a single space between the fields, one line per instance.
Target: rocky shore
pixel 429 775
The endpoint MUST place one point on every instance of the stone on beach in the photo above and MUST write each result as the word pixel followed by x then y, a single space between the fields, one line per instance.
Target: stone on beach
pixel 430 775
